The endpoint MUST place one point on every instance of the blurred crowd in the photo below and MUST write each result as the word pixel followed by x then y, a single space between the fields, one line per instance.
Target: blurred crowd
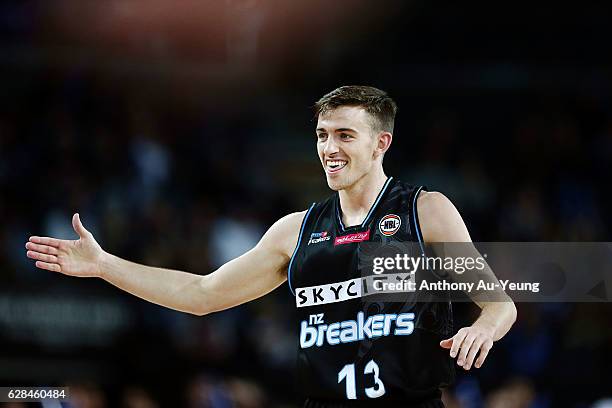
pixel 172 169
pixel 193 192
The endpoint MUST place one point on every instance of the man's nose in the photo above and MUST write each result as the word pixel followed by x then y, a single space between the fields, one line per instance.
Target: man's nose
pixel 330 146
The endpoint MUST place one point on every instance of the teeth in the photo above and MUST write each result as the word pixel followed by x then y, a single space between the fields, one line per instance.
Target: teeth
pixel 336 163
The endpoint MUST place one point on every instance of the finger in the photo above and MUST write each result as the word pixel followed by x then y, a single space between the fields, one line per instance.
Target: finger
pixel 45 249
pixel 54 242
pixel 484 351
pixel 48 266
pixel 472 353
pixel 465 347
pixel 78 226
pixel 457 340
pixel 41 257
pixel 446 343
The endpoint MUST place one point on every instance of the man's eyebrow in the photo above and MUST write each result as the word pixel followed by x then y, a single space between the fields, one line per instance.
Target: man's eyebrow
pixel 346 130
pixel 338 130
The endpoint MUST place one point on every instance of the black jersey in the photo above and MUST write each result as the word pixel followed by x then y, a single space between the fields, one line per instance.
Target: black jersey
pixel 353 346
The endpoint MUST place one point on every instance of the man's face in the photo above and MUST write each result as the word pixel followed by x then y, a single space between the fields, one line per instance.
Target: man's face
pixel 346 144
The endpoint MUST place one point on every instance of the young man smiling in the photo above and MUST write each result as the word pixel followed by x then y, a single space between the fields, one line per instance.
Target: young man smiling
pixel 351 351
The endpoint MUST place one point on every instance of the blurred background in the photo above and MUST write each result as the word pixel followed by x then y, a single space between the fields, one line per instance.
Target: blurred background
pixel 181 130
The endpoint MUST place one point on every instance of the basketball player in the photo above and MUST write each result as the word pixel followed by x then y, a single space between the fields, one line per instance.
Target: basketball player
pixel 351 352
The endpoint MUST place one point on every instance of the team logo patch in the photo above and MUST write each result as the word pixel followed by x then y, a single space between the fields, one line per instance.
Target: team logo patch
pixel 350 238
pixel 317 237
pixel 389 224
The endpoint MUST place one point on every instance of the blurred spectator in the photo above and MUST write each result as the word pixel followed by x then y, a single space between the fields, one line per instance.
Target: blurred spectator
pixel 86 395
pixel 518 393
pixel 137 397
pixel 231 237
pixel 602 403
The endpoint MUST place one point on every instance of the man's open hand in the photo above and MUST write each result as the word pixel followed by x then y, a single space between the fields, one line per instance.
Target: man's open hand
pixel 71 257
pixel 467 343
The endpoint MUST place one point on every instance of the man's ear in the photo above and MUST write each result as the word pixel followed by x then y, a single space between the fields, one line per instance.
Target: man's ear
pixel 384 140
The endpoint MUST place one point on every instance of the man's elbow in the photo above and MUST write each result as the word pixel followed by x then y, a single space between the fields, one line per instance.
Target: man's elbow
pixel 198 312
pixel 513 313
pixel 199 309
pixel 201 300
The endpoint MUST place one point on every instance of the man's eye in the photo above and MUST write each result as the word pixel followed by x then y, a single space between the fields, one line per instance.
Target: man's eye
pixel 321 136
pixel 345 136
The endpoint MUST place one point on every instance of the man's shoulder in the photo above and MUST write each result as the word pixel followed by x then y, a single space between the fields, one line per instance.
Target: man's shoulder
pixel 283 234
pixel 439 219
pixel 432 201
pixel 292 221
pixel 289 225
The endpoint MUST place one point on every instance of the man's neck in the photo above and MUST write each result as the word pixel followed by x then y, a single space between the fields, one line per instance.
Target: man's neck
pixel 357 200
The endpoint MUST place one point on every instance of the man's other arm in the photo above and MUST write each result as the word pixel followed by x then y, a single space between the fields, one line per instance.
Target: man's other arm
pixel 252 275
pixel 441 222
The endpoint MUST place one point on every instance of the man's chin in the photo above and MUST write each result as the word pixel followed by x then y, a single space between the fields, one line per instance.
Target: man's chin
pixel 335 185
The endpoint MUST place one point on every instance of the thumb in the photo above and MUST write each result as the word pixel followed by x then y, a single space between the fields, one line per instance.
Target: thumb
pixel 448 343
pixel 78 226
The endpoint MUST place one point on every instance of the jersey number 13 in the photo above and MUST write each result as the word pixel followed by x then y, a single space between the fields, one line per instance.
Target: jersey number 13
pixel 348 373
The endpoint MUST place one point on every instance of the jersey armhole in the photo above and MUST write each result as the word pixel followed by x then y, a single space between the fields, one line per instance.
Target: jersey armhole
pixel 297 247
pixel 415 218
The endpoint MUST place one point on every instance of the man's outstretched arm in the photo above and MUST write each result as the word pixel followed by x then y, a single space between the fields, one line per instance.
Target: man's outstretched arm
pixel 441 222
pixel 245 278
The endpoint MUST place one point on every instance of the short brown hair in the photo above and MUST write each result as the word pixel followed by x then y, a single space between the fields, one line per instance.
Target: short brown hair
pixel 376 102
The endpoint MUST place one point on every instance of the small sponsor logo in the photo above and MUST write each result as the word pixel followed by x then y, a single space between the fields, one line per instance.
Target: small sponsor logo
pixel 350 238
pixel 389 224
pixel 317 237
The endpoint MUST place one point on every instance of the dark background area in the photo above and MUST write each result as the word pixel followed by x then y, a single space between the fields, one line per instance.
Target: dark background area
pixel 181 130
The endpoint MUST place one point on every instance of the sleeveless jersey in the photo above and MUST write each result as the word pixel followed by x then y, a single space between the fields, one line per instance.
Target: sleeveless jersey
pixel 353 346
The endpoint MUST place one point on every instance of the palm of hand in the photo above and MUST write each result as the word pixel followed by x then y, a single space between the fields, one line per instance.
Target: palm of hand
pixel 79 258
pixel 71 257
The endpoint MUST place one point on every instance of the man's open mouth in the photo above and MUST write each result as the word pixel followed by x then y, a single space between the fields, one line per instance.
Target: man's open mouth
pixel 335 165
